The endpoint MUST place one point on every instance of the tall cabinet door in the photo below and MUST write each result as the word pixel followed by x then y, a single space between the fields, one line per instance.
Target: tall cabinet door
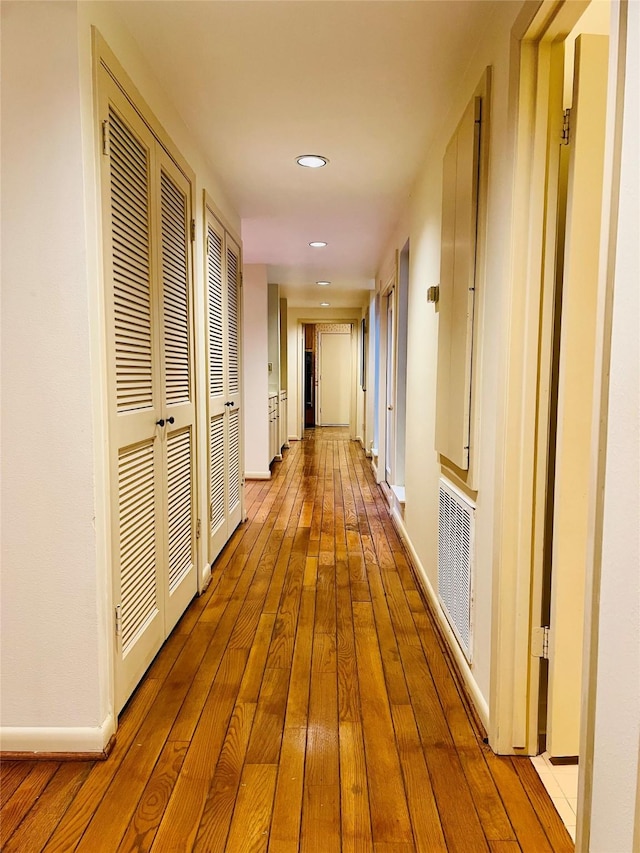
pixel 149 314
pixel 178 391
pixel 216 369
pixel 135 397
pixel 225 415
pixel 234 466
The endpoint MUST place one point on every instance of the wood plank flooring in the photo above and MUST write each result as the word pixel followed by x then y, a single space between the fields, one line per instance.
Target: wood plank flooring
pixel 303 703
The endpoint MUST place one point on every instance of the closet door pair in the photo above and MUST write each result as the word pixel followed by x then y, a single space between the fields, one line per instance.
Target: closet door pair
pixel 147 203
pixel 224 281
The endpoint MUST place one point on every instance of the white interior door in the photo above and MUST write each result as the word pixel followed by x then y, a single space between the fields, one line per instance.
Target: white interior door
pixel 390 415
pixel 334 380
pixel 147 208
pixel 234 470
pixel 178 391
pixel 575 394
pixel 225 416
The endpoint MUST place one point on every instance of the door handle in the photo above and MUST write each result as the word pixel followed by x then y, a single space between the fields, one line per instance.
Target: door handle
pixel 230 403
pixel 171 420
pixel 390 408
pixel 160 422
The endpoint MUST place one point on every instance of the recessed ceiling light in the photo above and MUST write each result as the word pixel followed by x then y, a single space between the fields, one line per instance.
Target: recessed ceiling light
pixel 323 283
pixel 312 161
pixel 324 304
pixel 317 244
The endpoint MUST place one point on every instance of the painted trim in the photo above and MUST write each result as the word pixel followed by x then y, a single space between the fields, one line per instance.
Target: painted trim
pixel 257 475
pixel 516 529
pixel 480 703
pixel 82 739
pixel 205 578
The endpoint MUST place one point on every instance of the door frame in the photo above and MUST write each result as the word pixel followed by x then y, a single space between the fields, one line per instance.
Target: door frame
pixel 320 394
pixel 390 365
pixel 301 322
pixel 519 531
pixel 523 417
pixel 387 282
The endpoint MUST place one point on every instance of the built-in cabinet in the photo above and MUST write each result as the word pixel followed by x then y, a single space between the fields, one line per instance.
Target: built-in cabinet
pixel 277 405
pixel 148 244
pixel 147 214
pixel 277 424
pixel 283 439
pixel 225 468
pixel 274 427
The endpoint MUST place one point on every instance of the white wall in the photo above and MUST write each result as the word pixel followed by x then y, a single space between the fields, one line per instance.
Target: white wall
pixel 53 670
pixel 616 727
pixel 423 230
pixel 255 375
pixel 57 663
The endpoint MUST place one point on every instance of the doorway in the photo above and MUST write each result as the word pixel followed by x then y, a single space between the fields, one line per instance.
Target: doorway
pixel 572 310
pixel 390 387
pixel 328 382
pixel 309 380
pixel 334 378
pixel 544 520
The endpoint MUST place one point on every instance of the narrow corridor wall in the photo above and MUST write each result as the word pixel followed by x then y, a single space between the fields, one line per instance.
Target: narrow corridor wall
pixel 424 210
pixel 54 675
pixel 57 619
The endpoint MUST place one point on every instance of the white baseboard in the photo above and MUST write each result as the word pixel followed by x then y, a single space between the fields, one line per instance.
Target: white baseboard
pixel 205 579
pixel 257 475
pixel 58 738
pixel 477 698
pixel 367 453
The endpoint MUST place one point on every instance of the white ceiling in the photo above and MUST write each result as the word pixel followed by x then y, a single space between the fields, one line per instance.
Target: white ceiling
pixel 259 83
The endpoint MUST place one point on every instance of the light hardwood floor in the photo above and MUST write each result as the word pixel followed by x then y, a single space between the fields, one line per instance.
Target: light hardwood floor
pixel 304 702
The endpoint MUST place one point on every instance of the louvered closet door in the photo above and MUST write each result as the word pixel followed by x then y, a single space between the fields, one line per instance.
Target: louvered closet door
pixel 225 417
pixel 134 387
pixel 234 396
pixel 178 393
pixel 217 387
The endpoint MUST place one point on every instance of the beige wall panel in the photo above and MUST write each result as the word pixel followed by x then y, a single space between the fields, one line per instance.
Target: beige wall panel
pixel 459 216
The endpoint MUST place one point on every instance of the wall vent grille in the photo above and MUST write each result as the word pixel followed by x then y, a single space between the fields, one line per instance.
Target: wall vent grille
pixel 455 562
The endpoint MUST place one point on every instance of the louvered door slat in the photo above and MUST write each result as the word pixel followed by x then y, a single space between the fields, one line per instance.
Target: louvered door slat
pixel 233 321
pixel 129 170
pixel 180 502
pixel 216 350
pixel 216 472
pixel 234 461
pixel 175 284
pixel 136 498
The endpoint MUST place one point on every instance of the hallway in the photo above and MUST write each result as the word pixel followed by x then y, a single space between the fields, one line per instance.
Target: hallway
pixel 302 703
